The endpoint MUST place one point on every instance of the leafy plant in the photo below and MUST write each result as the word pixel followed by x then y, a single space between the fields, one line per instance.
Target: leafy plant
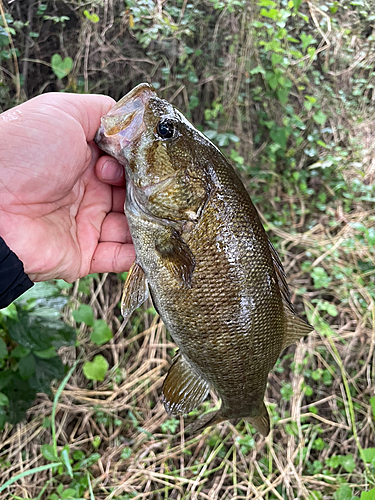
pixel 31 331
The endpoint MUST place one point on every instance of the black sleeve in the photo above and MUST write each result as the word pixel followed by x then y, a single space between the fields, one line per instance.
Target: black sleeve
pixel 13 280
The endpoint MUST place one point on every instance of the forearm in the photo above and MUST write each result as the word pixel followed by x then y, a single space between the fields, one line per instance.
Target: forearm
pixel 13 280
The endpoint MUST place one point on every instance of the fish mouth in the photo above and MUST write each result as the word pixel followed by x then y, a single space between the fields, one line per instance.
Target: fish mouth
pixel 124 122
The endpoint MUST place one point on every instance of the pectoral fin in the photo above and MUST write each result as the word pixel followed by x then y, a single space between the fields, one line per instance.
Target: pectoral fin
pixel 135 290
pixel 177 257
pixel 183 388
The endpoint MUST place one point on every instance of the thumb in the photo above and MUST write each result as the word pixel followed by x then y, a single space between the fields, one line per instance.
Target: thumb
pixel 87 109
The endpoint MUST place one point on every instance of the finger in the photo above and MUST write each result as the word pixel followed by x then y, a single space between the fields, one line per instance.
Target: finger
pixel 115 228
pixel 87 109
pixel 109 170
pixel 118 199
pixel 110 257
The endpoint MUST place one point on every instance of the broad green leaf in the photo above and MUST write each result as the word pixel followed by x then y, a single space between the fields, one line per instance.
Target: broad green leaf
pixel 279 136
pixel 320 118
pixel 271 80
pixel 36 332
pixel 306 40
pixel 276 59
pixel 101 332
pixel 46 370
pixel 84 314
pixel 3 349
pixel 282 95
pixel 4 400
pixel 49 453
pixel 47 353
pixel 21 396
pixel 369 454
pixel 20 352
pixel 258 69
pixel 5 378
pixel 343 493
pixel 3 418
pixel 372 403
pixel 10 311
pixel 96 369
pixel 368 495
pixel 347 461
pixel 41 290
pixel 61 67
pixel 27 366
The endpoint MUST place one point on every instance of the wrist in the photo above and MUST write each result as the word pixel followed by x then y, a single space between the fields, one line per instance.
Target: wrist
pixel 13 279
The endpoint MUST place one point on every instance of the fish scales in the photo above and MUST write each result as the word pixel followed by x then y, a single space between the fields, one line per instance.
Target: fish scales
pixel 203 253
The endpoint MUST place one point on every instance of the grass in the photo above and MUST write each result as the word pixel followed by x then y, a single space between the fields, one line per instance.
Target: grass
pixel 112 439
pixel 318 395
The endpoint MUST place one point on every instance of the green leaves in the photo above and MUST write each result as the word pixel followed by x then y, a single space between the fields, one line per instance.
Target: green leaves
pixel 368 495
pixel 84 314
pixel 345 461
pixel 101 332
pixel 33 330
pixel 280 136
pixel 48 453
pixel 306 40
pixel 369 454
pixel 38 331
pixel 372 403
pixel 61 67
pixel 320 277
pixel 3 350
pixel 94 18
pixel 96 369
pixel 320 118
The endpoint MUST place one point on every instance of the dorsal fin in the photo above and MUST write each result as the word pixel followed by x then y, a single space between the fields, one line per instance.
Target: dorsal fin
pixel 281 276
pixel 297 327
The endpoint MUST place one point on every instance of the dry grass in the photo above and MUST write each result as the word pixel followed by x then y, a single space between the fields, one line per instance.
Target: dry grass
pixel 125 411
pixel 215 464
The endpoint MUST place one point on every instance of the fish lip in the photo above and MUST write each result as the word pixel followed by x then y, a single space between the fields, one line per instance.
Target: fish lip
pixel 124 122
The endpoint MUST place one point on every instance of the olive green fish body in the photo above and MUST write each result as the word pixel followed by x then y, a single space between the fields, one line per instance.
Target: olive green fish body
pixel 202 251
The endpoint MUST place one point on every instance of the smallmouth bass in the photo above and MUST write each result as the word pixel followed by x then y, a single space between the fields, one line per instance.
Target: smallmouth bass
pixel 203 255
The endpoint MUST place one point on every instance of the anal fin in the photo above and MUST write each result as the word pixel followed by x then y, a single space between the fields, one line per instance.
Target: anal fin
pixel 135 290
pixel 183 388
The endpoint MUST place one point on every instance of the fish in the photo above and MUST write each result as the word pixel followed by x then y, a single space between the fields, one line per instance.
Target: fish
pixel 203 257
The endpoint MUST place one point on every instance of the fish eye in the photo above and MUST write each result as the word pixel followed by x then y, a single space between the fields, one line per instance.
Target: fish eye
pixel 165 129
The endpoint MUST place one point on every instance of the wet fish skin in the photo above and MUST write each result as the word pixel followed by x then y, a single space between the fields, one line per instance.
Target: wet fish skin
pixel 201 250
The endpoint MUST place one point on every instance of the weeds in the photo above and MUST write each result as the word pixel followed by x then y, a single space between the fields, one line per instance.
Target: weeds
pixel 285 88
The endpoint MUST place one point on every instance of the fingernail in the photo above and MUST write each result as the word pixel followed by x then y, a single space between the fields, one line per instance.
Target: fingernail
pixel 111 171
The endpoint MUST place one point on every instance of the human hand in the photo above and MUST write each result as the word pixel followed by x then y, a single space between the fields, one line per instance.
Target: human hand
pixel 61 204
